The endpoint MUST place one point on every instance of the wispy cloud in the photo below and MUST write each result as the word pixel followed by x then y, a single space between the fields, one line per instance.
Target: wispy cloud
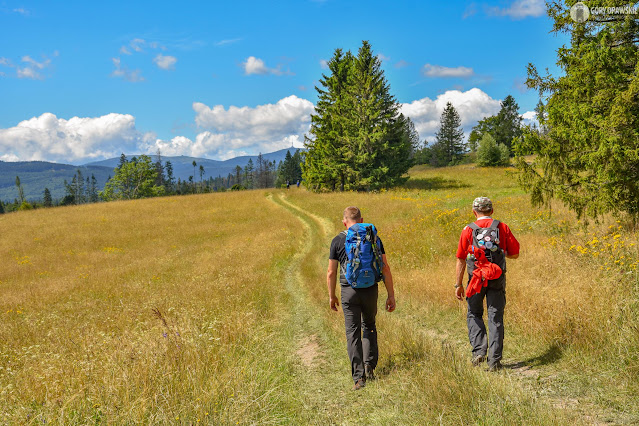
pixel 323 64
pixel 383 57
pixel 471 10
pixel 30 68
pixel 21 11
pixel 137 44
pixel 133 76
pixel 519 9
pixel 401 64
pixel 438 71
pixel 256 66
pixel 228 41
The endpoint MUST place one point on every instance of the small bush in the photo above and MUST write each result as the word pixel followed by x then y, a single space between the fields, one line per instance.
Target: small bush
pixel 25 206
pixel 490 153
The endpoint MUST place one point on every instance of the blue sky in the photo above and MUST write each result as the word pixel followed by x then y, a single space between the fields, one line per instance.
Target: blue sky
pixel 86 80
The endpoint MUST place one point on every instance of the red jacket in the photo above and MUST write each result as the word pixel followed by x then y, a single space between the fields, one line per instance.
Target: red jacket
pixel 507 240
pixel 484 271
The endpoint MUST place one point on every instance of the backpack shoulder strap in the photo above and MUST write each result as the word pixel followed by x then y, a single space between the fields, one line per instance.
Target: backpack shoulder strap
pixel 344 232
pixel 473 226
pixel 494 225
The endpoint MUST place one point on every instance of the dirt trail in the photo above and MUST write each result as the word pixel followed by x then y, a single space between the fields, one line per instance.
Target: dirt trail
pixel 321 383
pixel 311 351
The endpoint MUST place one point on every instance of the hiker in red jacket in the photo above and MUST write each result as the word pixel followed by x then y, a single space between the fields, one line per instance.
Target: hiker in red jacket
pixel 484 246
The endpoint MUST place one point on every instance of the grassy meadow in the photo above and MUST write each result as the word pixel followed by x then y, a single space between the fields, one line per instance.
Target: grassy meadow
pixel 213 309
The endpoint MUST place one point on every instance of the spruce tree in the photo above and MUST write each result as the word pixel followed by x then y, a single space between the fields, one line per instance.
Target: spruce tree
pixel 47 200
pixel 160 180
pixel 78 188
pixel 508 123
pixel 1 207
pixel 249 170
pixel 170 179
pixel 449 139
pixel 123 160
pixel 297 166
pixel 589 158
pixel 357 139
pixel 325 159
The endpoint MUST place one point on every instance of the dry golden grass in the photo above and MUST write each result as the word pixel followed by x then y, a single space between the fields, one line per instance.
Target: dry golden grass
pixel 196 310
pixel 79 340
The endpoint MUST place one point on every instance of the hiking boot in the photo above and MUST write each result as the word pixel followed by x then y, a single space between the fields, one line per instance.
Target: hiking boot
pixel 495 367
pixel 478 360
pixel 359 384
pixel 369 372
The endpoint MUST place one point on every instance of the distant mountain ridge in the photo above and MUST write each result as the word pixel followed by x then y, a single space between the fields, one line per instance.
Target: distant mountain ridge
pixel 37 175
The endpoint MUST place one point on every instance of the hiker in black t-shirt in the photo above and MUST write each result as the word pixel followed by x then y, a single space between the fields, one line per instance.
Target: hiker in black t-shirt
pixel 359 305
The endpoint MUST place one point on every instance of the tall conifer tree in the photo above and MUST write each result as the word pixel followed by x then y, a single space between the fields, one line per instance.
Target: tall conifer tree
pixel 357 139
pixel 449 144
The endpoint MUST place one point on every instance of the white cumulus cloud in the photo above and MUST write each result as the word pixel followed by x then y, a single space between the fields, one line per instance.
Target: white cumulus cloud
pixel 472 106
pixel 529 118
pixel 438 71
pixel 78 139
pixel 165 62
pixel 519 9
pixel 254 65
pixel 229 132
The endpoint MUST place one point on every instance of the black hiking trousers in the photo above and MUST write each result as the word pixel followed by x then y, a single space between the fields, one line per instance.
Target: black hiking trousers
pixel 360 309
pixel 495 302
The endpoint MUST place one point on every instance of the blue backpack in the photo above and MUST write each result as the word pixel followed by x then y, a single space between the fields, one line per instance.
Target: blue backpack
pixel 364 260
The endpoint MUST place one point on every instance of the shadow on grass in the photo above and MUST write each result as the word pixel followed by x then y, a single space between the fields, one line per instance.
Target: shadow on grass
pixel 437 182
pixel 553 354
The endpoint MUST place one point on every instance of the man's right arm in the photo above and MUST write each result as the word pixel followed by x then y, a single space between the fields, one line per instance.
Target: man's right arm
pixel 331 282
pixel 459 277
pixel 388 283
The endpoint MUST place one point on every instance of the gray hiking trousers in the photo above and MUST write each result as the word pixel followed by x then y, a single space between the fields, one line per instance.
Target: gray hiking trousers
pixel 495 302
pixel 360 308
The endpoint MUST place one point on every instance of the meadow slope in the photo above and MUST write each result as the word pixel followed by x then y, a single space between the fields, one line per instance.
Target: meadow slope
pixel 213 309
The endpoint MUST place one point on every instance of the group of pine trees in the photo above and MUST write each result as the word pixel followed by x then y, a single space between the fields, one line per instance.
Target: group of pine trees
pixel 358 139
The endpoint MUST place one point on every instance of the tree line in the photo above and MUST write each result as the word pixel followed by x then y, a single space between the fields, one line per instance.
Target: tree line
pixel 490 142
pixel 141 177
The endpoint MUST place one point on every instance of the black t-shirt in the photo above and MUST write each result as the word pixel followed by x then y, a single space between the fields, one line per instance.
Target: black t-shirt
pixel 338 252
